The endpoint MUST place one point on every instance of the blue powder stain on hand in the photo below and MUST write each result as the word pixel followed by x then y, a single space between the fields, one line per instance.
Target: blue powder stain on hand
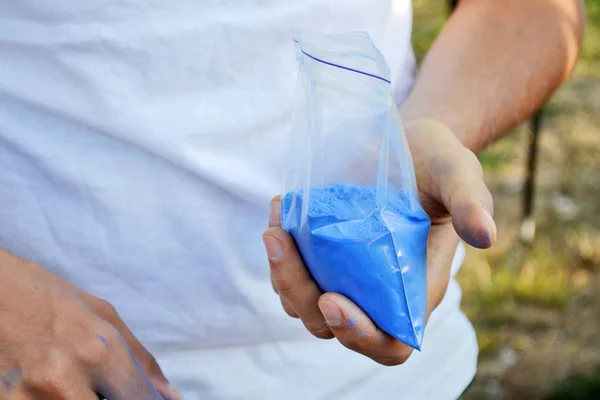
pixel 351 324
pixel 11 378
pixel 376 255
pixel 102 339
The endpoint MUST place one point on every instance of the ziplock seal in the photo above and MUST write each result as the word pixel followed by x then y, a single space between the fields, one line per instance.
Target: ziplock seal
pixel 342 67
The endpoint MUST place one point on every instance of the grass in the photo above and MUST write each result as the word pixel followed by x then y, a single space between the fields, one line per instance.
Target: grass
pixel 539 302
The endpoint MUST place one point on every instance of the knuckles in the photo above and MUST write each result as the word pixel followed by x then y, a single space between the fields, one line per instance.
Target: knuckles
pixel 318 329
pixel 99 345
pixel 53 370
pixel 104 308
pixel 322 333
pixel 289 310
pixel 388 354
pixel 51 373
pixel 398 354
pixel 393 361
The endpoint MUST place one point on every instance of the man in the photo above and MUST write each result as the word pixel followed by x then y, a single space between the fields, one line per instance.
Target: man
pixel 140 143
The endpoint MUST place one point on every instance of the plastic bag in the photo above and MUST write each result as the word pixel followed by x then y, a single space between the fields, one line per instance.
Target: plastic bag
pixel 350 198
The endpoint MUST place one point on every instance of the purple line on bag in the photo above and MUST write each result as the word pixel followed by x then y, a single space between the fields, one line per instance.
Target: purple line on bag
pixel 342 67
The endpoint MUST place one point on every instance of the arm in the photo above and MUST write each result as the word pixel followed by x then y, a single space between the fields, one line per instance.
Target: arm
pixel 494 64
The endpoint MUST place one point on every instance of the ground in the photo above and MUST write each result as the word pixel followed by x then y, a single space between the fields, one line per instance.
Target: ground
pixel 536 308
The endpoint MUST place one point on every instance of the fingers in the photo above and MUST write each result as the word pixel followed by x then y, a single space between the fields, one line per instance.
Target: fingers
pixel 275 214
pixel 148 363
pixel 288 309
pixel 83 394
pixel 298 291
pixel 54 376
pixel 146 360
pixel 67 392
pixel 275 221
pixel 117 374
pixel 98 362
pixel 353 328
pixel 452 175
pixel 463 191
pixel 441 247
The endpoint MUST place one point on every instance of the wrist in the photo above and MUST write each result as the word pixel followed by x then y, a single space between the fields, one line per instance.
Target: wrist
pixel 450 121
pixel 431 134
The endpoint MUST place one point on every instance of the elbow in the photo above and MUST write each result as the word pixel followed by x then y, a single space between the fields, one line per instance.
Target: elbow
pixel 579 22
pixel 573 31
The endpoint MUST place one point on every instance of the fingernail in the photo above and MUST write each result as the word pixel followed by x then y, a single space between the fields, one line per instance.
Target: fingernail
pixel 331 312
pixel 169 392
pixel 173 394
pixel 491 225
pixel 274 248
pixel 275 217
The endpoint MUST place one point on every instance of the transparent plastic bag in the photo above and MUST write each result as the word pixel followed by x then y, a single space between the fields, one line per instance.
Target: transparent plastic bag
pixel 350 199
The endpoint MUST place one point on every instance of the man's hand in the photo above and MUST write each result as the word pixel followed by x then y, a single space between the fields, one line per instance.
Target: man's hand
pixel 452 192
pixel 58 342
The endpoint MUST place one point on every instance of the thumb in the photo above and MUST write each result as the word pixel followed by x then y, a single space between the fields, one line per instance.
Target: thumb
pixel 467 199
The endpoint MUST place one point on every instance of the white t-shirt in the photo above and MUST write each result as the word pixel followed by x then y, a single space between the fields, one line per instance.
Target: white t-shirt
pixel 140 144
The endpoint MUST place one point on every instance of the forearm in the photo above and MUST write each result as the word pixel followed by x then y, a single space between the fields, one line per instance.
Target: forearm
pixel 494 64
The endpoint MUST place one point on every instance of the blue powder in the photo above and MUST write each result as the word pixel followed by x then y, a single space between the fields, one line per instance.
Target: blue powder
pixel 102 339
pixel 376 256
pixel 10 379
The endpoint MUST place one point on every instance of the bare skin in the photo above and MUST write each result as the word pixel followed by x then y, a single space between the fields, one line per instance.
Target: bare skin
pixel 493 65
pixel 58 342
pixel 445 185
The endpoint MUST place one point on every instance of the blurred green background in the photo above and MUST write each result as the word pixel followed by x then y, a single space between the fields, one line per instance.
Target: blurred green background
pixel 536 308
